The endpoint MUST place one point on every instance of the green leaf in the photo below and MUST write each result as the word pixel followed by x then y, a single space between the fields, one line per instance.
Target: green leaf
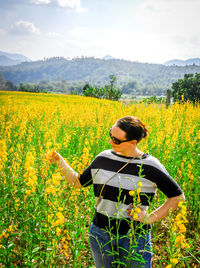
pixel 35 249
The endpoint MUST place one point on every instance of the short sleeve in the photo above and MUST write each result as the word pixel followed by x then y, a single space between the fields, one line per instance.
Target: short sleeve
pixel 168 186
pixel 86 177
pixel 165 183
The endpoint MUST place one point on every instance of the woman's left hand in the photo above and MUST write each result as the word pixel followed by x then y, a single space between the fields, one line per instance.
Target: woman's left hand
pixel 137 214
pixel 143 217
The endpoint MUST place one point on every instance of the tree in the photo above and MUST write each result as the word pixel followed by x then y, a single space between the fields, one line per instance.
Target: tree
pixel 2 82
pixel 187 88
pixel 9 86
pixel 106 92
pixel 113 79
pixel 111 92
pixel 130 87
pixel 30 87
pixel 85 87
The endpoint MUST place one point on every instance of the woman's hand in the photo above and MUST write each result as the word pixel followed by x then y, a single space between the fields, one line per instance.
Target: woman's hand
pixel 71 175
pixel 54 157
pixel 137 214
pixel 143 217
pixel 159 213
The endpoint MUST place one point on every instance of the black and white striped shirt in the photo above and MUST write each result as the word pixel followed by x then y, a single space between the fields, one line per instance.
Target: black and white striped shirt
pixel 111 212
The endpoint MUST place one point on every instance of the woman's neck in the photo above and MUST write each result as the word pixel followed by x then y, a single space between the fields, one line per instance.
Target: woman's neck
pixel 131 153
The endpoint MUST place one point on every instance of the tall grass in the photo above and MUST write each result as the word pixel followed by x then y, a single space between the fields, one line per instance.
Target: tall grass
pixel 43 221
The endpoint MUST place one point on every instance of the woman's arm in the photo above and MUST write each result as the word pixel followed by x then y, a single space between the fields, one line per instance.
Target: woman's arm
pixel 162 211
pixel 70 175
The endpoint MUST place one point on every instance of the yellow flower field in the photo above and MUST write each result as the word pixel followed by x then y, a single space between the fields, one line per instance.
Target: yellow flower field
pixel 43 221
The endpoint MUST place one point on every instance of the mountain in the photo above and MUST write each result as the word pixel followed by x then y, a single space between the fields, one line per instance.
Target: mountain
pixel 132 77
pixel 193 61
pixel 7 59
pixel 108 57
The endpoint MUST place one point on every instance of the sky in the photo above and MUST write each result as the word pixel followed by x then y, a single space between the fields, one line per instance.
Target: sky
pixel 152 31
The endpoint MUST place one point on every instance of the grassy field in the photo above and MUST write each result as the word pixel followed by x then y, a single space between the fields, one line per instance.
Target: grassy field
pixel 43 221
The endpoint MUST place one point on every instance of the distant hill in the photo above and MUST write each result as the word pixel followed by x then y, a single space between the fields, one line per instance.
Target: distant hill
pixel 194 61
pixel 8 59
pixel 5 61
pixel 132 77
pixel 108 57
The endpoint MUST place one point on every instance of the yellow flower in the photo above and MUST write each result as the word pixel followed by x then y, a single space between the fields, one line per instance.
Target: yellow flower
pixel 58 231
pixel 51 189
pixel 182 228
pixel 63 240
pixel 174 228
pixel 60 217
pixel 3 233
pixel 138 190
pixel 6 235
pixel 10 229
pixel 56 179
pixel 186 245
pixel 66 245
pixel 131 212
pixel 174 260
pixel 135 216
pixel 140 184
pixel 180 203
pixel 48 144
pixel 28 192
pixel 138 194
pixel 131 193
pixel 137 210
pixel 66 254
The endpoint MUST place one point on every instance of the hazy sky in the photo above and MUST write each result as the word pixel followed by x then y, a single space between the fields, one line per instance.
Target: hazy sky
pixel 139 30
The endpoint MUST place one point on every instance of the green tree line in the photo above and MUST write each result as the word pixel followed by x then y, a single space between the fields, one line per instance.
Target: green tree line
pixel 108 91
pixel 184 89
pixel 187 88
pixel 133 78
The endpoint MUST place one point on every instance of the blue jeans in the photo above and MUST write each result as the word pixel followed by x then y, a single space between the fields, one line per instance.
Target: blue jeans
pixel 110 251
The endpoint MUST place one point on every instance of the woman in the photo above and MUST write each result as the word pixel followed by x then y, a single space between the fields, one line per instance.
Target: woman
pixel 124 178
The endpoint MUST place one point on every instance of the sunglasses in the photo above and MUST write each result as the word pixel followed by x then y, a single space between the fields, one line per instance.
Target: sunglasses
pixel 115 140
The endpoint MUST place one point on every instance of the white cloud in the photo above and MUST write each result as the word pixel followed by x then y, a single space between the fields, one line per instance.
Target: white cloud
pixel 73 48
pixel 40 2
pixel 53 34
pixel 78 31
pixel 177 20
pixel 176 17
pixel 72 4
pixel 68 4
pixel 2 32
pixel 24 27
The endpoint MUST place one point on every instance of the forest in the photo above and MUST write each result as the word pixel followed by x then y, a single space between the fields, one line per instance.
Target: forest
pixel 70 75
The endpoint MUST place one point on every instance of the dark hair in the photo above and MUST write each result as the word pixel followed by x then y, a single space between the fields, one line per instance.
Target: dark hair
pixel 134 128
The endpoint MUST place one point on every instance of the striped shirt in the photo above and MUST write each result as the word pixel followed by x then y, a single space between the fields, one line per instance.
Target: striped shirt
pixel 111 212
